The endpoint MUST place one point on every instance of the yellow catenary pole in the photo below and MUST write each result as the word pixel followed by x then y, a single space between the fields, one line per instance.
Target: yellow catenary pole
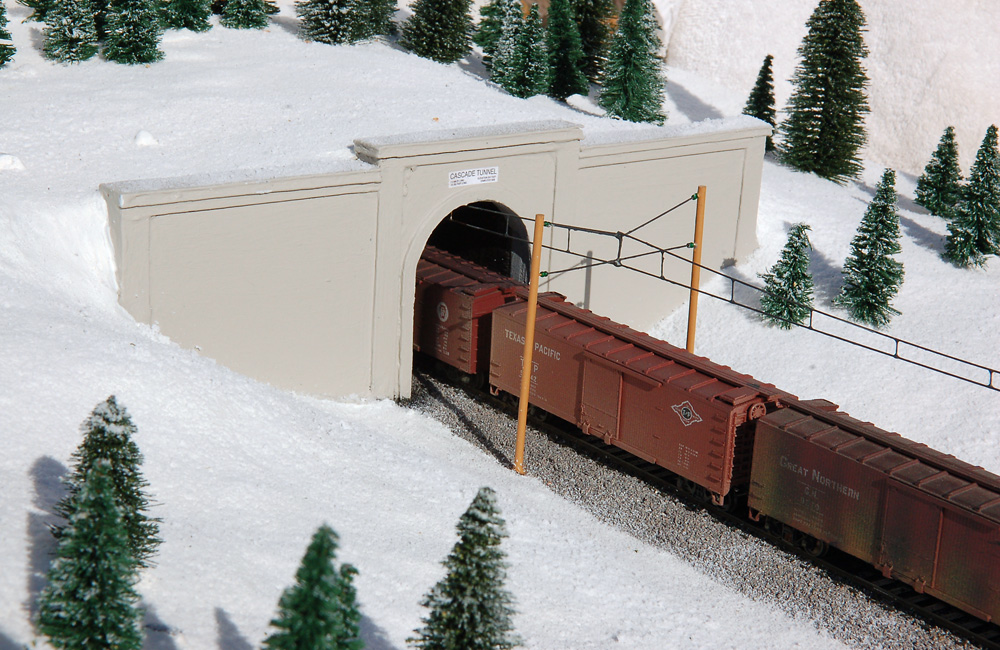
pixel 699 227
pixel 529 343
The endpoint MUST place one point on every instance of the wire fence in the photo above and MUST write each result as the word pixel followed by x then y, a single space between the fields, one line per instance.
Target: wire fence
pixel 748 298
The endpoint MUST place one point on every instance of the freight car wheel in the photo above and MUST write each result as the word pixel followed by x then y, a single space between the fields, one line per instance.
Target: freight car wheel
pixel 813 547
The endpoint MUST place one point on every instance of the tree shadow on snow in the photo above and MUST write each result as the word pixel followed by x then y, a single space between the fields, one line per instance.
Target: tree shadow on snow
pixel 287 23
pixel 37 39
pixel 47 474
pixel 159 635
pixel 922 236
pixel 693 108
pixel 374 637
pixel 7 643
pixel 828 279
pixel 230 637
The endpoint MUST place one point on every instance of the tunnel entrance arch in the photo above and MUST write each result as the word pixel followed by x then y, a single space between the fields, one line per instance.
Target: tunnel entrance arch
pixel 489 234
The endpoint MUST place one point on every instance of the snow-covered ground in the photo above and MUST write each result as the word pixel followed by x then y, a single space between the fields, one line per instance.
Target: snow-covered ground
pixel 244 473
pixel 932 63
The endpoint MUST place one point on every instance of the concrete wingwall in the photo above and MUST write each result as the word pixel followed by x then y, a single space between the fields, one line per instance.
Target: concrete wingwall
pixel 307 282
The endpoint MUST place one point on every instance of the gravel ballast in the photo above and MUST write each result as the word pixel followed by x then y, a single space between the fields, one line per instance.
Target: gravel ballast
pixel 749 565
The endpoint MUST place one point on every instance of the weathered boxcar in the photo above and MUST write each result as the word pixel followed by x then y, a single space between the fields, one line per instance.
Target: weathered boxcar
pixel 659 402
pixel 920 516
pixel 453 308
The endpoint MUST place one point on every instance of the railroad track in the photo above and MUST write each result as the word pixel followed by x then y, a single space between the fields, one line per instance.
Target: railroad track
pixel 839 566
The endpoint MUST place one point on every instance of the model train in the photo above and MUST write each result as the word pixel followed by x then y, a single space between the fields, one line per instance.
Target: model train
pixel 816 474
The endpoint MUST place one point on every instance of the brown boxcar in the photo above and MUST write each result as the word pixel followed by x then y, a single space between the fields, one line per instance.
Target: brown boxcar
pixel 659 402
pixel 453 307
pixel 918 515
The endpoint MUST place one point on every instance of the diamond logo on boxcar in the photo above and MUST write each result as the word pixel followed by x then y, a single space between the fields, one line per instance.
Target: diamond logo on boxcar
pixel 442 312
pixel 686 413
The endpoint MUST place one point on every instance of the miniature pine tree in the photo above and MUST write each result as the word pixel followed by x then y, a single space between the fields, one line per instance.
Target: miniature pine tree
pixel 108 437
pixel 90 601
pixel 7 48
pixel 319 612
pixel 825 126
pixel 487 32
pixel 565 53
pixel 440 30
pixel 788 287
pixel 133 32
pixel 469 607
pixel 760 104
pixel 70 35
pixel 326 21
pixel 974 233
pixel 532 74
pixel 504 61
pixel 244 14
pixel 939 188
pixel 633 81
pixel 871 276
pixel 39 9
pixel 187 14
pixel 373 18
pixel 592 20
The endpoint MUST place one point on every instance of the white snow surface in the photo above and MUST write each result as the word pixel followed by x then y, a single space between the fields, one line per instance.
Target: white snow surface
pixel 244 473
pixel 931 64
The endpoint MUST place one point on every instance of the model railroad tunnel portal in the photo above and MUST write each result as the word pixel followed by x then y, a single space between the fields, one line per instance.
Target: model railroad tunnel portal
pixel 307 281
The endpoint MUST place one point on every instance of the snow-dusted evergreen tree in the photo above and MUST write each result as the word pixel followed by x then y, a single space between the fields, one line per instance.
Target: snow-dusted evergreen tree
pixel 187 14
pixel 566 59
pixel 521 65
pixel 469 607
pixel 7 48
pixel 326 21
pixel 133 31
pixel 974 233
pixel 593 18
pixel 505 52
pixel 871 275
pixel 487 32
pixel 90 602
pixel 825 127
pixel 440 30
pixel 788 287
pixel 319 612
pixel 108 437
pixel 633 76
pixel 939 188
pixel 70 35
pixel 760 104
pixel 373 18
pixel 245 14
pixel 532 74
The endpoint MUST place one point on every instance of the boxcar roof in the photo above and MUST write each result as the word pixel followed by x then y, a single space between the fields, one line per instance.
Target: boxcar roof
pixel 642 355
pixel 928 470
pixel 462 266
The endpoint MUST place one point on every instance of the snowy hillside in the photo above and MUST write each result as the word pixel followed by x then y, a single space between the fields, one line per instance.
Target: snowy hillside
pixel 244 473
pixel 932 63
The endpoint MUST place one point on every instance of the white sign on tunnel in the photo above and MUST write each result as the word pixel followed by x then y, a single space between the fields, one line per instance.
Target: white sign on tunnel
pixel 473 176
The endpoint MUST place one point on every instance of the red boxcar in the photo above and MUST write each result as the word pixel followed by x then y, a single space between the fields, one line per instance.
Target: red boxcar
pixel 920 516
pixel 453 307
pixel 659 402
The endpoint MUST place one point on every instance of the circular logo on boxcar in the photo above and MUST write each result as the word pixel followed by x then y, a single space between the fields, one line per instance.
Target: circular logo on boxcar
pixel 686 413
pixel 442 312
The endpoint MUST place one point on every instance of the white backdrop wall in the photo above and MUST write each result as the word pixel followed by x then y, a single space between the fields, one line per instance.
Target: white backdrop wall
pixel 933 63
